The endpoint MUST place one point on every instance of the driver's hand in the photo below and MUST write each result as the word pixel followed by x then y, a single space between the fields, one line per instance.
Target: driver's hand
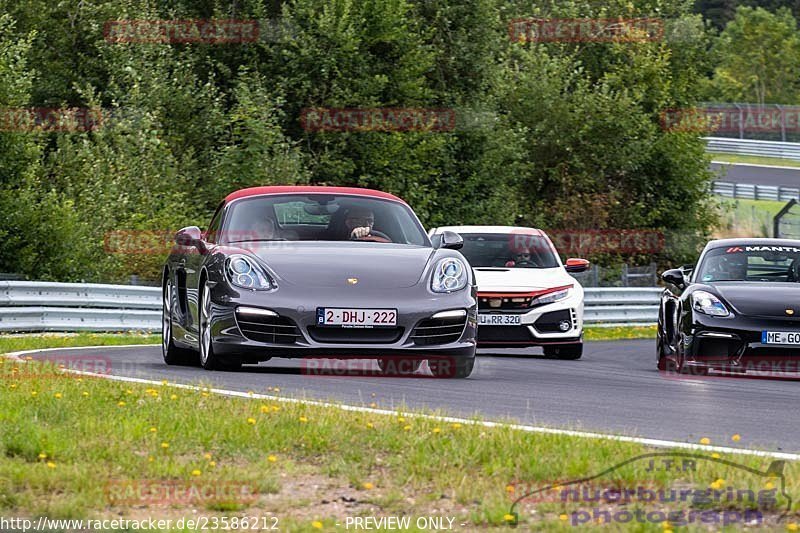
pixel 359 233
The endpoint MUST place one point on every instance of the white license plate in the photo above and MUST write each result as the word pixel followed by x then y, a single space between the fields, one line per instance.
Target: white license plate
pixel 356 318
pixel 499 320
pixel 780 337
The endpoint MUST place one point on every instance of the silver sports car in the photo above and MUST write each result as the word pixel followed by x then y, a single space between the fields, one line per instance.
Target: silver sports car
pixel 308 271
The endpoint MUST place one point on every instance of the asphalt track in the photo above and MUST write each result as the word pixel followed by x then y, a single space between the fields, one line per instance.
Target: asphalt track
pixel 615 388
pixel 757 175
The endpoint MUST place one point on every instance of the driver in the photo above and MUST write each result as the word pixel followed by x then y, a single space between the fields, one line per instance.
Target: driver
pixel 522 258
pixel 262 229
pixel 730 267
pixel 736 267
pixel 359 224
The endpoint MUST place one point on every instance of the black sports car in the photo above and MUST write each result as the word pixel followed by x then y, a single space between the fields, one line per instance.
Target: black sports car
pixel 738 310
pixel 303 271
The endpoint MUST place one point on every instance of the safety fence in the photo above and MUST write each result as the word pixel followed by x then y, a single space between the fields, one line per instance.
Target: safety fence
pixel 31 306
pixel 783 150
pixel 755 192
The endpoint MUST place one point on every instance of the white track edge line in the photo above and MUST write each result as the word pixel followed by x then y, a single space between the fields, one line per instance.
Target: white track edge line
pixel 659 443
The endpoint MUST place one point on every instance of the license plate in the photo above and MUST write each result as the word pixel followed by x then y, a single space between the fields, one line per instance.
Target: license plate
pixel 356 318
pixel 499 320
pixel 780 337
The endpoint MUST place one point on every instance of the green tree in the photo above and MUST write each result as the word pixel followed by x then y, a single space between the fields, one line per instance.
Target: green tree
pixel 758 58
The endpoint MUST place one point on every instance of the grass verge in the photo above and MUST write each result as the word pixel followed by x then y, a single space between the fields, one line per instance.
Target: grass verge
pixel 594 333
pixel 82 448
pixel 746 218
pixel 755 160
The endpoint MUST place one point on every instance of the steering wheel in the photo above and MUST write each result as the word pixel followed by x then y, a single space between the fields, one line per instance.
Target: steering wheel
pixel 375 236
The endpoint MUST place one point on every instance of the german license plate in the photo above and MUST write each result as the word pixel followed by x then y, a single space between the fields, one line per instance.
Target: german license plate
pixel 356 318
pixel 497 319
pixel 780 337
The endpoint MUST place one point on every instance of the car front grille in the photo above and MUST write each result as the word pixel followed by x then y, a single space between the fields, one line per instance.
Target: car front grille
pixel 439 330
pixel 550 322
pixel 355 335
pixel 503 334
pixel 510 302
pixel 271 329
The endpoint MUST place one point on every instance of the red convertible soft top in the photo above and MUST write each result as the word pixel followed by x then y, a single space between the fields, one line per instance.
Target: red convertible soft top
pixel 309 189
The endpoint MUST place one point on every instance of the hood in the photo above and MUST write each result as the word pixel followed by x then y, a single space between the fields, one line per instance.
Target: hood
pixel 330 264
pixel 760 298
pixel 490 279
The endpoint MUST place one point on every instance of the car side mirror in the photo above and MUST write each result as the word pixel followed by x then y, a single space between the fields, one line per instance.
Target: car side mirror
pixel 674 276
pixel 451 240
pixel 189 236
pixel 575 264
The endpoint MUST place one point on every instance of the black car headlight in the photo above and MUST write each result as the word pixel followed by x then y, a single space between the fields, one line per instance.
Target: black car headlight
pixel 450 275
pixel 708 304
pixel 245 273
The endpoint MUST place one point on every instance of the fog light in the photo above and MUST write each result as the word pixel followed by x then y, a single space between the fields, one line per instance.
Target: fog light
pixel 564 325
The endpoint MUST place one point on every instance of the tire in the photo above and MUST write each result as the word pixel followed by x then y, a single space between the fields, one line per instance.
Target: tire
pixel 565 351
pixel 399 367
pixel 682 368
pixel 171 353
pixel 451 367
pixel 661 360
pixel 208 359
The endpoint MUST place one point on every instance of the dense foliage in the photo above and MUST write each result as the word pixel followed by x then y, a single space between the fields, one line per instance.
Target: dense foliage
pixel 561 135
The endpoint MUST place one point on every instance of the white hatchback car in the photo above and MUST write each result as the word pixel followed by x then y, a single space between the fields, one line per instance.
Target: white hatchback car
pixel 526 296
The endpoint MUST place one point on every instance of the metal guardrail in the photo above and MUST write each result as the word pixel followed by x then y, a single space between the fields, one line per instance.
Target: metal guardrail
pixel 621 306
pixel 755 192
pixel 783 150
pixel 41 306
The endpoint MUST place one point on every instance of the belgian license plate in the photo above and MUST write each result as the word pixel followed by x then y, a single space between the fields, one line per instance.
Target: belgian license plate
pixel 497 319
pixel 780 337
pixel 356 318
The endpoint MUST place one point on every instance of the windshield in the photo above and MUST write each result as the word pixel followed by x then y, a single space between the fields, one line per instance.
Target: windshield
pixel 751 263
pixel 508 250
pixel 321 217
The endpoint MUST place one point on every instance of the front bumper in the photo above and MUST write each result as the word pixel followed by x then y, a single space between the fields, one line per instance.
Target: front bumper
pixel 735 344
pixel 540 326
pixel 293 332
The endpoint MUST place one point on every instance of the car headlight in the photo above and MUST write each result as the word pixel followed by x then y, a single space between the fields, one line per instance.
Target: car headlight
pixel 450 275
pixel 550 297
pixel 244 272
pixel 708 304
